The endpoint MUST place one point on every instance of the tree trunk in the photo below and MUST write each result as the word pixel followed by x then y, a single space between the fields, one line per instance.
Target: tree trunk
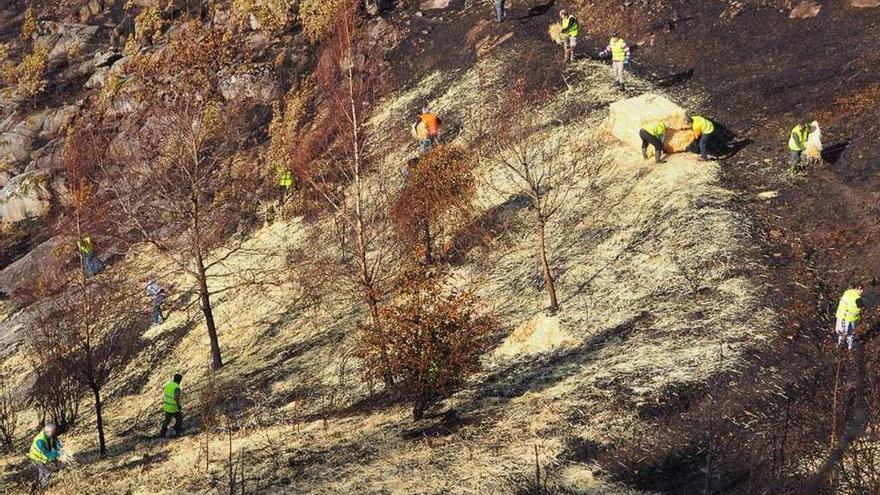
pixel 100 420
pixel 428 243
pixel 545 266
pixel 205 297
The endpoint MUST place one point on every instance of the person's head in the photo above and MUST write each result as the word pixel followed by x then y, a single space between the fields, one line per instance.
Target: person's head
pixel 51 430
pixel 177 378
pixel 426 109
pixel 563 13
pixel 615 34
pixel 688 120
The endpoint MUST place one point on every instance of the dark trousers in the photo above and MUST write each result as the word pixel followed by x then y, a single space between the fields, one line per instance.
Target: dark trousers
pixel 654 141
pixel 704 145
pixel 178 423
pixel 43 476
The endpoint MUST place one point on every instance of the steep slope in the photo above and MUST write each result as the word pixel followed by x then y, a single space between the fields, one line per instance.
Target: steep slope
pixel 660 292
pixel 669 342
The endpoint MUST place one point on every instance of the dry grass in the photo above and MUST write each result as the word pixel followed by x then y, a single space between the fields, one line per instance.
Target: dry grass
pixel 653 276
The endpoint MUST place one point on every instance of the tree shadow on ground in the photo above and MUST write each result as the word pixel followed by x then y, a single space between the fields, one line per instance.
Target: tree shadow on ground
pixel 154 353
pixel 537 10
pixel 485 229
pixel 442 425
pixel 540 373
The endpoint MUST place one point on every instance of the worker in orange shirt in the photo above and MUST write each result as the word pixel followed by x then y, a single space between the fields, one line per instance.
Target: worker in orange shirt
pixel 430 124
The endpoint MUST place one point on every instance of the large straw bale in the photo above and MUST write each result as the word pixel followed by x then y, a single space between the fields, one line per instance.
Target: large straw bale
pixel 677 140
pixel 555 32
pixel 630 115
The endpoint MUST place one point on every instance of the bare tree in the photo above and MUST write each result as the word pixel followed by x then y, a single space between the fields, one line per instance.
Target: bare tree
pixel 544 168
pixel 89 332
pixel 347 82
pixel 179 187
pixel 10 405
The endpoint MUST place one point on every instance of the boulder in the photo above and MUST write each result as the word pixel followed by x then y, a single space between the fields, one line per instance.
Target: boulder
pixel 864 4
pixel 433 4
pixel 628 116
pixel 15 147
pixel 256 82
pixel 5 176
pixel 54 121
pixel 805 9
pixel 25 196
pixel 41 260
pixel 95 6
pixel 48 157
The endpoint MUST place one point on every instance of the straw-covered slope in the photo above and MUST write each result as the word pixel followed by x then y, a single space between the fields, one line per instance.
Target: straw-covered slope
pixel 658 288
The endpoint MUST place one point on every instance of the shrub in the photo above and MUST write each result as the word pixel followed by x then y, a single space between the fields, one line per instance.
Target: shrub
pixel 317 16
pixel 439 193
pixel 429 340
pixel 30 75
pixel 148 25
pixel 28 24
pixel 9 408
pixel 273 15
pixel 56 396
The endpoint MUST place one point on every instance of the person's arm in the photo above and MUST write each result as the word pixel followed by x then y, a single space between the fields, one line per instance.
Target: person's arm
pixel 606 51
pixel 177 399
pixel 797 138
pixel 626 51
pixel 44 448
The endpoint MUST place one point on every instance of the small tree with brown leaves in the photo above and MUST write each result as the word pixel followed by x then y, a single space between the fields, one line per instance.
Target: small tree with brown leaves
pixel 439 194
pixel 430 339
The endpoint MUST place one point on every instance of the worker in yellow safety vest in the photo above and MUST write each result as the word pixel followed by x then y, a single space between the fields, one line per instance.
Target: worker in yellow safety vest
pixel 797 143
pixel 45 451
pixel 849 312
pixel 619 51
pixel 653 134
pixel 570 32
pixel 703 129
pixel 172 407
pixel 91 263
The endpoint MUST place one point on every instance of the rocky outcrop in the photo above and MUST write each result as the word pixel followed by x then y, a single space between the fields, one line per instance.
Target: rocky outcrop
pixel 24 197
pixel 25 270
pixel 256 82
pixel 18 134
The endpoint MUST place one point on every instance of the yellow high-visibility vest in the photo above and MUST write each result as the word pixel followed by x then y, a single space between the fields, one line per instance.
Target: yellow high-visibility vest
pixel 618 54
pixel 702 125
pixel 798 139
pixel 285 179
pixel 85 245
pixel 657 130
pixel 570 26
pixel 848 309
pixel 35 453
pixel 169 403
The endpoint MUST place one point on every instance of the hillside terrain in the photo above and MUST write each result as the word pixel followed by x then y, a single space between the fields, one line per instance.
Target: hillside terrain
pixel 692 350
